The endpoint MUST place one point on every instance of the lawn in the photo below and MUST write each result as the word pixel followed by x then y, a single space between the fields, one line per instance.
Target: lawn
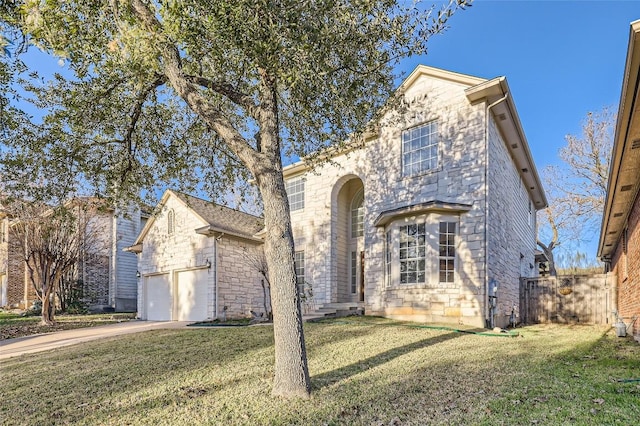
pixel 365 371
pixel 15 325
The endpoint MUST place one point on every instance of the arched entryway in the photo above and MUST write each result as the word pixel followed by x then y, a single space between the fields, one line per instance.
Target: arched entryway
pixel 349 242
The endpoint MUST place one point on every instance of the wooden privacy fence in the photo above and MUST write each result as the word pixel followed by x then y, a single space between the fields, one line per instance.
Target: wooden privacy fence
pixel 568 299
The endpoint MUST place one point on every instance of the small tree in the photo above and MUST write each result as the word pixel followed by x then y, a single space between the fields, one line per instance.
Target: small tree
pixel 258 262
pixel 577 189
pixel 52 241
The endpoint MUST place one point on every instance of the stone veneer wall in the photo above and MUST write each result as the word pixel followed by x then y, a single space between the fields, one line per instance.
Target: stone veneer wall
pixel 238 283
pixel 626 267
pixel 239 287
pixel 511 226
pixel 458 179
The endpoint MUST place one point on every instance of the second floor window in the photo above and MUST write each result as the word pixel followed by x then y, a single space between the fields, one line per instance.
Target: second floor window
pixel 295 193
pixel 420 149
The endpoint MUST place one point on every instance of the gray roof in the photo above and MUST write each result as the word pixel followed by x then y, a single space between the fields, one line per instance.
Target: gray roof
pixel 223 219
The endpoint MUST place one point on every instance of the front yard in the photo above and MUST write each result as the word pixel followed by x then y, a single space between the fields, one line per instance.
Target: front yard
pixel 15 325
pixel 366 371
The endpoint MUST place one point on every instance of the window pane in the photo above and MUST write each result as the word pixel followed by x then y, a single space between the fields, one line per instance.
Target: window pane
pixel 420 149
pixel 446 251
pixel 295 193
pixel 412 254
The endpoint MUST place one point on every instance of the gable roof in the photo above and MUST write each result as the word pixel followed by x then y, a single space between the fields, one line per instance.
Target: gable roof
pixel 624 171
pixel 216 219
pixel 496 92
pixel 507 119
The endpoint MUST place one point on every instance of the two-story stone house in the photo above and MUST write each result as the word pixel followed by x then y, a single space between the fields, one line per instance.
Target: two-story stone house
pixel 432 218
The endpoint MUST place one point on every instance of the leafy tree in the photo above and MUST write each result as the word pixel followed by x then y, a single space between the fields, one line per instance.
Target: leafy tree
pixel 577 188
pixel 200 93
pixel 52 241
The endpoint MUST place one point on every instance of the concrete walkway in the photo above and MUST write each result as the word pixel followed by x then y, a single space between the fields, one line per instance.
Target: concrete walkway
pixel 43 342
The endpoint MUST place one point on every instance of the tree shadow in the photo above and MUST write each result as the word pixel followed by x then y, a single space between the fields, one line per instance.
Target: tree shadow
pixel 329 378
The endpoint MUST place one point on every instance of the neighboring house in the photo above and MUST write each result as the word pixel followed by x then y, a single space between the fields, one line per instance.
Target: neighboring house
pixel 433 218
pixel 620 233
pixel 197 261
pixel 107 275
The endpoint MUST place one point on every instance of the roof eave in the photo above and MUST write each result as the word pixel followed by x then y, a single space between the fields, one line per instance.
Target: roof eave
pixel 628 98
pixel 508 121
pixel 212 231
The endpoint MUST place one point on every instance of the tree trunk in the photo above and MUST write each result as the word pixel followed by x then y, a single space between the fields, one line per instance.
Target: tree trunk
pixel 291 371
pixel 47 310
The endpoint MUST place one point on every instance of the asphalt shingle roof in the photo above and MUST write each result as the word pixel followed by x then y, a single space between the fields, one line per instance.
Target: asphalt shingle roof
pixel 223 218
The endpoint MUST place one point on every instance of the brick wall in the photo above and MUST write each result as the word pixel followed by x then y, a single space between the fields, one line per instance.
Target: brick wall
pixel 626 266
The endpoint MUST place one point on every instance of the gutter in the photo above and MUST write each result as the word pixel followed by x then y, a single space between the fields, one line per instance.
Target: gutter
pixel 489 308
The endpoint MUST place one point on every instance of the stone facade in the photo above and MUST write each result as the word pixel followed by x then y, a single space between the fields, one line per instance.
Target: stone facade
pixel 169 246
pixel 475 185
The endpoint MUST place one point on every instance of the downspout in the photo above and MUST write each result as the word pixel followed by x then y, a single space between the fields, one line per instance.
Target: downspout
pixel 215 273
pixel 489 307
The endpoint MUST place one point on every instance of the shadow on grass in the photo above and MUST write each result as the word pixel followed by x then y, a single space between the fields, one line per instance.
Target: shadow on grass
pixel 331 377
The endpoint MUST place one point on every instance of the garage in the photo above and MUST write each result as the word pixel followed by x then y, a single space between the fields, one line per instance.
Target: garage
pixel 158 300
pixel 192 295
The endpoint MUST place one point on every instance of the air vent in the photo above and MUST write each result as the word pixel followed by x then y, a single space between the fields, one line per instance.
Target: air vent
pixel 532 187
pixel 612 232
pixel 626 188
pixel 502 117
pixel 635 144
pixel 525 170
pixel 514 146
pixel 617 214
pixel 608 245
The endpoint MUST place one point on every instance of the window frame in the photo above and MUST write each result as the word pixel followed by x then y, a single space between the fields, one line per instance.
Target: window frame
pixel 357 223
pixel 431 221
pixel 295 189
pixel 171 222
pixel 432 145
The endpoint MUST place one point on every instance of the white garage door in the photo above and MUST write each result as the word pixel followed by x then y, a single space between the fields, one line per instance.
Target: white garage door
pixel 158 301
pixel 192 295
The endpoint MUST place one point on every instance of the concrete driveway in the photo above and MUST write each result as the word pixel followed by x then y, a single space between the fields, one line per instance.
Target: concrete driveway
pixel 43 342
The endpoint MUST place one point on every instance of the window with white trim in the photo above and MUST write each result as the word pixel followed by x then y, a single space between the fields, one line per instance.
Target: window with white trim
pixel 447 252
pixel 298 261
pixel 354 272
pixel 387 257
pixel 171 222
pixel 295 193
pixel 357 215
pixel 420 149
pixel 412 253
pixel 421 251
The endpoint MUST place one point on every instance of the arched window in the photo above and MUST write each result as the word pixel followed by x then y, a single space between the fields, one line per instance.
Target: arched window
pixel 357 215
pixel 171 222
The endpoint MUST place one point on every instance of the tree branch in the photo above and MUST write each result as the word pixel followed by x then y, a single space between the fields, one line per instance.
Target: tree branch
pixel 188 91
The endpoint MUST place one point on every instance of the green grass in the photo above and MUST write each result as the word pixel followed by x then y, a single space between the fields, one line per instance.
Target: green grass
pixel 14 325
pixel 365 371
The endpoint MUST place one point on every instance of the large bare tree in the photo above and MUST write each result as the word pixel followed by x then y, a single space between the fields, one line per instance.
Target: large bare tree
pixel 577 187
pixel 200 92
